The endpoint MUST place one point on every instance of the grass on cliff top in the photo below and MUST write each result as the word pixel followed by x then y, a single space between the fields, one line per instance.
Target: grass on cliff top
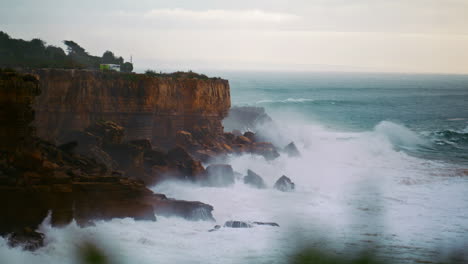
pixel 180 75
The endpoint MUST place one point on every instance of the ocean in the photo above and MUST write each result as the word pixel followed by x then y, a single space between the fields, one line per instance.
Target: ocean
pixel 383 168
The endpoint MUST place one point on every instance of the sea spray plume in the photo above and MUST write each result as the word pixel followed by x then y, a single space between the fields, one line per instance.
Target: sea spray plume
pixel 399 135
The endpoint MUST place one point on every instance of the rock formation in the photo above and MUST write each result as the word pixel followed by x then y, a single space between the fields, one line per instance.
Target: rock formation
pixel 254 180
pixel 284 184
pixel 153 108
pixel 37 178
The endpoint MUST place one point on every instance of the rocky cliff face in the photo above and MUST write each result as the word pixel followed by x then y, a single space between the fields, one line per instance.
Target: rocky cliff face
pixel 73 181
pixel 148 107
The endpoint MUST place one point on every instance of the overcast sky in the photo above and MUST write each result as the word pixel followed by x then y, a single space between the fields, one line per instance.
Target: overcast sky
pixel 294 35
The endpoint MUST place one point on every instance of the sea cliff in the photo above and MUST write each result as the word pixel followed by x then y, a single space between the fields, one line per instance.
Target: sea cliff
pixel 153 108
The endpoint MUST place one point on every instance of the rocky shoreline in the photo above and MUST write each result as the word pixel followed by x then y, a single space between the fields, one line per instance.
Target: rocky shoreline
pixel 98 171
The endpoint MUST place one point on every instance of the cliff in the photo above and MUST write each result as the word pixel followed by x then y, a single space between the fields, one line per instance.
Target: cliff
pixel 71 181
pixel 154 108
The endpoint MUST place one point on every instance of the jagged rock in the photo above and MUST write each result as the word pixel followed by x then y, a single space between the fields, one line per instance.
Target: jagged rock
pixel 284 184
pixel 38 177
pixel 183 165
pixel 237 224
pixel 27 238
pixel 219 175
pixel 189 210
pixel 254 179
pixel 292 150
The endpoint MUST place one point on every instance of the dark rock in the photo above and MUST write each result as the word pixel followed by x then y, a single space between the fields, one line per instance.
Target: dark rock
pixel 184 138
pixel 254 179
pixel 292 150
pixel 219 175
pixel 215 228
pixel 190 210
pixel 266 223
pixel 237 224
pixel 27 238
pixel 183 166
pixel 250 135
pixel 284 184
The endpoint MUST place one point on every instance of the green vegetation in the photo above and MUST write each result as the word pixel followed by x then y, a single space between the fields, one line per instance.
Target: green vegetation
pixel 180 75
pixel 36 54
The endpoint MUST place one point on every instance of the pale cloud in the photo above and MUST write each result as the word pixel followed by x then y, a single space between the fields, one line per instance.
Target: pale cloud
pixel 253 15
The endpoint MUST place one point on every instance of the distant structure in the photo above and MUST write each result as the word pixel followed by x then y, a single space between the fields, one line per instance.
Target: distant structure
pixel 109 67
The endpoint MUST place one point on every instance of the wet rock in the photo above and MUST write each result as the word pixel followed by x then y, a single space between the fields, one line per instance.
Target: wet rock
pixel 237 224
pixel 219 175
pixel 284 184
pixel 267 223
pixel 254 180
pixel 183 165
pixel 190 210
pixel 250 135
pixel 292 150
pixel 215 228
pixel 27 238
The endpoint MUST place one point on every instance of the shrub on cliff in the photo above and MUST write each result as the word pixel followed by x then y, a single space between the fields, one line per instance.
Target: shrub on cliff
pixel 36 54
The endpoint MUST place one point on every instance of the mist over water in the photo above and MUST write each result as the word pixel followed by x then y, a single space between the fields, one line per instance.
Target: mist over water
pixel 381 167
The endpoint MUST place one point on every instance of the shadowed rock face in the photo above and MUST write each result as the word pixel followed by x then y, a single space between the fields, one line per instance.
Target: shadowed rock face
pixel 147 107
pixel 37 177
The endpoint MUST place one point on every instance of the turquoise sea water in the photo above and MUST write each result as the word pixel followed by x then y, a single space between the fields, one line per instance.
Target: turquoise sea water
pixel 435 107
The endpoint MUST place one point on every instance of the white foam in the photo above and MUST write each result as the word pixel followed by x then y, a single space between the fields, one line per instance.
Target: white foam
pixel 349 184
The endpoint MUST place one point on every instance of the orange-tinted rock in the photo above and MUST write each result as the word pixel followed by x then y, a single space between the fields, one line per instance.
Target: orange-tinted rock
pixel 148 107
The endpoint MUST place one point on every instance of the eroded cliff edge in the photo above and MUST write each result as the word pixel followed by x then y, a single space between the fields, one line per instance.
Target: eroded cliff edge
pixel 148 107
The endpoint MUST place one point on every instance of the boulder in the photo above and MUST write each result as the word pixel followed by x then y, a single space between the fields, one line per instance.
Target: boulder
pixel 183 166
pixel 292 150
pixel 284 184
pixel 219 175
pixel 254 180
pixel 189 210
pixel 26 238
pixel 237 224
